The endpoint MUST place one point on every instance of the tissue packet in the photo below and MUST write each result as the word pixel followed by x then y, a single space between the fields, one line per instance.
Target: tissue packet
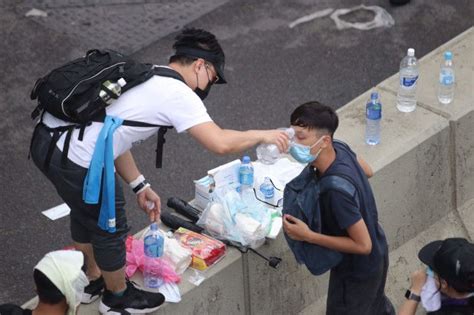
pixel 206 251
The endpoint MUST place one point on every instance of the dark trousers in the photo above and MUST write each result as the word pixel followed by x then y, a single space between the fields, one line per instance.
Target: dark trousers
pixel 348 294
pixel 68 179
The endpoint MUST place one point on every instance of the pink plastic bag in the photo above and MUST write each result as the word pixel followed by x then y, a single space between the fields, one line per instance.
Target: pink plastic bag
pixel 135 260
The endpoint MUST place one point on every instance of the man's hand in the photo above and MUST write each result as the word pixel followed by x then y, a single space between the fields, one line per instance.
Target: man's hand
pixel 418 279
pixel 150 202
pixel 295 228
pixel 278 137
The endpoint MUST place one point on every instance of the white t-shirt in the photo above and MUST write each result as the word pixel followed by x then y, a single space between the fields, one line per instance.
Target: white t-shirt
pixel 160 100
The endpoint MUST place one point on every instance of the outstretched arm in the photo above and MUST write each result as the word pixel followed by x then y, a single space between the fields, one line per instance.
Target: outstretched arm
pixel 226 141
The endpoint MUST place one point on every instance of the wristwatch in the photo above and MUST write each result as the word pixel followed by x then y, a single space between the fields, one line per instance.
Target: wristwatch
pixel 412 296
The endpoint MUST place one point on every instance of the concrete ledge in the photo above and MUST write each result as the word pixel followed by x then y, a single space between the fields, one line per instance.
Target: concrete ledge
pixel 286 290
pixel 460 112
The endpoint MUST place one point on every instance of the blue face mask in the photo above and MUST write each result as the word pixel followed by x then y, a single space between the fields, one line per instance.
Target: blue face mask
pixel 302 153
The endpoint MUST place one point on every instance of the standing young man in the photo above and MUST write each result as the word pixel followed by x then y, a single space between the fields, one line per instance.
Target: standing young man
pixel 165 101
pixel 349 224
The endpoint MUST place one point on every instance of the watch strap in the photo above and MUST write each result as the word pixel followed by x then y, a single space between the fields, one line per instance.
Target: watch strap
pixel 412 296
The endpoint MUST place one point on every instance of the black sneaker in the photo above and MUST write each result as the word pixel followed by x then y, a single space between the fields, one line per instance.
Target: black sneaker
pixel 93 291
pixel 134 301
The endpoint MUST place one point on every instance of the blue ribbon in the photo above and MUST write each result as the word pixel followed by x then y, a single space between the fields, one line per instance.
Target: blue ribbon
pixel 103 163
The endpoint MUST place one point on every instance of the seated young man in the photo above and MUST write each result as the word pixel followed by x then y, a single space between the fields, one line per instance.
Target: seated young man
pixel 59 282
pixel 349 225
pixel 446 286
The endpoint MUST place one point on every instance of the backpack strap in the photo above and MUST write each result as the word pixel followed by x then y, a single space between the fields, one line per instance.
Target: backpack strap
pixel 341 183
pixel 168 72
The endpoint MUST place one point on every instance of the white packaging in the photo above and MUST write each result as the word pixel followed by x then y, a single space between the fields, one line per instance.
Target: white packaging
pixel 227 174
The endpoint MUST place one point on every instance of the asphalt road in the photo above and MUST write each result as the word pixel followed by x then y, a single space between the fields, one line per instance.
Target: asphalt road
pixel 270 67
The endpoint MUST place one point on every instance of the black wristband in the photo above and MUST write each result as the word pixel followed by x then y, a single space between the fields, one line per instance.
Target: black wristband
pixel 137 188
pixel 412 296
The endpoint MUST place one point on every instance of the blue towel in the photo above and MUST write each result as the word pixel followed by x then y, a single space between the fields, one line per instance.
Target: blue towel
pixel 103 163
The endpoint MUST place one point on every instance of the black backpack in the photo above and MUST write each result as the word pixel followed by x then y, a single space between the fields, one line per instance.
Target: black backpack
pixel 71 92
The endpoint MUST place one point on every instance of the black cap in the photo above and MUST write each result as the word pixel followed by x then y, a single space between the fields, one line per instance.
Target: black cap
pixel 453 260
pixel 217 60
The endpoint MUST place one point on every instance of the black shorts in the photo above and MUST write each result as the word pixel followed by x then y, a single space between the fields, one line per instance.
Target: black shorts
pixel 68 179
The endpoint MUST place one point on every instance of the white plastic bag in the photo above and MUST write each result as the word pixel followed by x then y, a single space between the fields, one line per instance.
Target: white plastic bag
pixel 381 19
pixel 178 256
pixel 230 217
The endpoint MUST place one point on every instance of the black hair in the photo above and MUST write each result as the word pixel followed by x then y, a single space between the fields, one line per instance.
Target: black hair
pixel 47 292
pixel 199 39
pixel 314 115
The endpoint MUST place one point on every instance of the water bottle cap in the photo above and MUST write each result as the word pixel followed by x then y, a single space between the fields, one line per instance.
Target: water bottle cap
pixel 411 52
pixel 246 159
pixel 121 82
pixel 154 227
pixel 448 55
pixel 374 95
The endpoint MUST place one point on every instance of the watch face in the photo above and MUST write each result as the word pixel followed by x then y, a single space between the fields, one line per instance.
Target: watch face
pixel 407 294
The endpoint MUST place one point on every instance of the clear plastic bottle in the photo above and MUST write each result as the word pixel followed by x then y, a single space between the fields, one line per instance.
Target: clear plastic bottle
pixel 406 97
pixel 267 188
pixel 373 118
pixel 446 80
pixel 114 87
pixel 246 174
pixel 268 153
pixel 153 248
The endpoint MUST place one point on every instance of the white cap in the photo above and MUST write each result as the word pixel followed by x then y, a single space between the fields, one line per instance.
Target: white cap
pixel 121 82
pixel 411 52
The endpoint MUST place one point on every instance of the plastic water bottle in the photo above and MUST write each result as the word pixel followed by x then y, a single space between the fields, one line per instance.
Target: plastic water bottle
pixel 406 98
pixel 153 248
pixel 267 188
pixel 446 80
pixel 374 116
pixel 114 87
pixel 246 174
pixel 268 153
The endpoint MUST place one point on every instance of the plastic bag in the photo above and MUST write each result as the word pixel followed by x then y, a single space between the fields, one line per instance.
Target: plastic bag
pixel 178 256
pixel 135 259
pixel 230 216
pixel 381 19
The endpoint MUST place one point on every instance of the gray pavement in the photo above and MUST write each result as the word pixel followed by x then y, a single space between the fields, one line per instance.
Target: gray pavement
pixel 270 69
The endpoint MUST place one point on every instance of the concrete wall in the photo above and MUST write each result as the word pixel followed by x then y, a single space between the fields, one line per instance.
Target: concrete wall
pixel 423 183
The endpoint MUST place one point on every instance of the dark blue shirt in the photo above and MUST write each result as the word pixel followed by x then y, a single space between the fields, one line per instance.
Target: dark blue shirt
pixel 339 212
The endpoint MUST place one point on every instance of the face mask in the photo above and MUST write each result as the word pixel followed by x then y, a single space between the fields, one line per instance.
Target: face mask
pixel 302 153
pixel 203 93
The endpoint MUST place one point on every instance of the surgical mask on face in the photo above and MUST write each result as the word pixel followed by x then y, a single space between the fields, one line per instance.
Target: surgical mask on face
pixel 302 153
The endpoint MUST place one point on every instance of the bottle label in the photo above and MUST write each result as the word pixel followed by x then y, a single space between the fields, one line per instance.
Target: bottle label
pixel 374 114
pixel 246 178
pixel 267 191
pixel 152 246
pixel 408 82
pixel 446 79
